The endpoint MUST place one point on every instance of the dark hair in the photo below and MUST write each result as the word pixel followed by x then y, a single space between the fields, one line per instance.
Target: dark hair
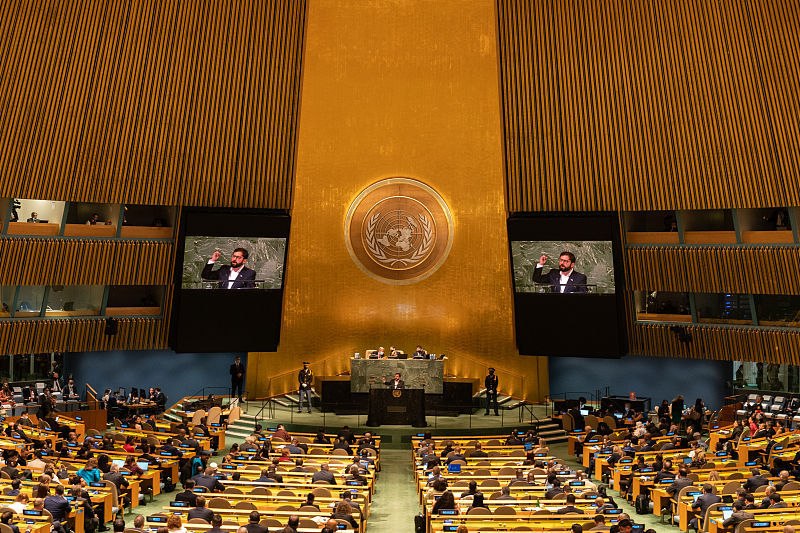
pixel 477 500
pixel 254 516
pixel 244 252
pixel 119 525
pixel 568 254
pixel 570 498
pixel 216 520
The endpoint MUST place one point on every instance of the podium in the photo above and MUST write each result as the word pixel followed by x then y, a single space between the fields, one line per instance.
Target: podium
pixel 397 407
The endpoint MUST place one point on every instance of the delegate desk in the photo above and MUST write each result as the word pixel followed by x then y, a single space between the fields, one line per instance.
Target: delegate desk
pixel 397 407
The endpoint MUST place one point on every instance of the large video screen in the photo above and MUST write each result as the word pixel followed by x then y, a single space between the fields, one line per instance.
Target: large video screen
pixel 229 280
pixel 567 275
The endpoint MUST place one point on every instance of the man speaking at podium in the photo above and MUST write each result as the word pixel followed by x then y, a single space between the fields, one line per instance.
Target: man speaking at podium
pixel 233 276
pixel 564 279
pixel 396 383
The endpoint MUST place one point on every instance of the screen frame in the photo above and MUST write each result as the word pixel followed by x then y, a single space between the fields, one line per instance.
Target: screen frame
pixel 600 226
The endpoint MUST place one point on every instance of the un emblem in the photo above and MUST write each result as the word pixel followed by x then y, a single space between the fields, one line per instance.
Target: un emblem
pixel 399 230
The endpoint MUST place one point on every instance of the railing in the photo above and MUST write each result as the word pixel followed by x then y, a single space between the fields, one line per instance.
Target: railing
pixel 91 397
pixel 593 397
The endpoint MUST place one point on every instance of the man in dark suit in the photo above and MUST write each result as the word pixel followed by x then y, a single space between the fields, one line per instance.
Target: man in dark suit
pixel 237 377
pixel 755 481
pixel 680 482
pixel 702 503
pixel 201 511
pixel 57 504
pixel 187 495
pixel 233 276
pixel 396 383
pixel 490 382
pixel 564 279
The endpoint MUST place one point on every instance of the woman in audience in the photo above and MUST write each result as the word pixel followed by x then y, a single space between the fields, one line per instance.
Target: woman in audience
pixel 132 467
pixel 477 501
pixel 232 454
pixel 130 444
pixel 174 524
pixel 90 473
pixel 344 512
pixel 104 463
pixel 321 438
pixel 310 501
pixel 7 519
pixel 20 503
pixel 447 501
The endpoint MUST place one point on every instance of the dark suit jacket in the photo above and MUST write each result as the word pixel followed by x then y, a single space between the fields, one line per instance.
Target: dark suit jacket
pixel 754 482
pixel 679 483
pixel 201 512
pixel 575 284
pixel 245 280
pixel 58 507
pixel 400 385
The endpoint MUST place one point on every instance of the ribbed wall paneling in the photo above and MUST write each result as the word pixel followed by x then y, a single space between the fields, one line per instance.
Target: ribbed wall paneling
pixel 722 343
pixel 81 334
pixel 637 105
pixel 746 270
pixel 168 103
pixel 39 261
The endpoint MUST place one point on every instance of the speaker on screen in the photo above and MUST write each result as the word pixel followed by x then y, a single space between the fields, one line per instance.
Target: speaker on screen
pixel 229 280
pixel 568 284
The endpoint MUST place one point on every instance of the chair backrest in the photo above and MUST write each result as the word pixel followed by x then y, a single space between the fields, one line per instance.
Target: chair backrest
pixel 490 483
pixel 232 490
pixel 567 422
pixel 219 503
pixel 507 471
pixel 234 414
pixel 198 521
pixel 731 487
pixel 792 485
pixel 286 508
pixel 245 505
pixel 591 421
pixel 307 509
pixel 214 415
pixel 261 491
pixel 505 509
pixel 275 523
pixel 479 510
pixel 5 528
pixel 321 492
pixel 198 416
pixel 742 526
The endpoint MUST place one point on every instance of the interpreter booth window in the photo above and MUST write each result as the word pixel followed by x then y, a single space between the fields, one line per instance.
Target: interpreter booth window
pixel 660 306
pixel 92 220
pixel 29 301
pixel 35 217
pixel 778 310
pixel 5 367
pixel 21 367
pixel 708 220
pixel 723 308
pixel 134 300
pixel 147 221
pixel 766 377
pixel 74 300
pixel 7 293
pixel 651 221
pixel 43 364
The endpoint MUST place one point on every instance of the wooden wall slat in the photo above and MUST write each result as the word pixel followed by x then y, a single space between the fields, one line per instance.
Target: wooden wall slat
pixel 721 343
pixel 640 104
pixel 714 269
pixel 84 262
pixel 167 103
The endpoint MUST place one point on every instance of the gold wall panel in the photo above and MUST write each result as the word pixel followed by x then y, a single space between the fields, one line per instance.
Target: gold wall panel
pixel 739 269
pixel 170 103
pixel 399 88
pixel 641 104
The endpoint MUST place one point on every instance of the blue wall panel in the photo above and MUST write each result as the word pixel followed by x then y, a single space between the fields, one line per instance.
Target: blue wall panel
pixel 657 377
pixel 178 374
